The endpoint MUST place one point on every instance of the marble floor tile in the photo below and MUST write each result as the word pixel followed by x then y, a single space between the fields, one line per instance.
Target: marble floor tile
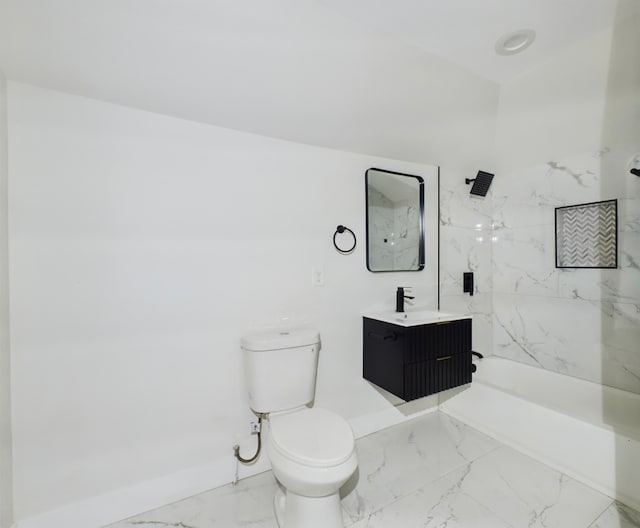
pixel 399 460
pixel 524 492
pixel 437 505
pixel 617 516
pixel 430 472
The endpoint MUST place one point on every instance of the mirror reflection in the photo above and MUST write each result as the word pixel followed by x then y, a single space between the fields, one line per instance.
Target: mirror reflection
pixel 395 230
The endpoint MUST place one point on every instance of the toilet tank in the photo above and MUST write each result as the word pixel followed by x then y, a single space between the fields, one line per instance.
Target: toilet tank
pixel 280 367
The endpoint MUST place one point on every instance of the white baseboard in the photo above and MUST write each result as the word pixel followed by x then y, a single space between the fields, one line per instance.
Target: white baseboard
pixel 108 508
pixel 114 506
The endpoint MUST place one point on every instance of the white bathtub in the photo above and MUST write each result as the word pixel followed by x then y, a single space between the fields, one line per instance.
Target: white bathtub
pixel 585 430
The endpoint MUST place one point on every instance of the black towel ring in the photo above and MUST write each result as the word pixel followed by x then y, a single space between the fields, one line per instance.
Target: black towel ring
pixel 342 229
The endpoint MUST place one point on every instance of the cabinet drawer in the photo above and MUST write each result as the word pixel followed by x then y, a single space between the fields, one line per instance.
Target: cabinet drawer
pixel 422 343
pixel 429 377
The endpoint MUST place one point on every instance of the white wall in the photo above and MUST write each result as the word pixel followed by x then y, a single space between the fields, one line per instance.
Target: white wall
pixel 142 247
pixel 565 134
pixel 6 479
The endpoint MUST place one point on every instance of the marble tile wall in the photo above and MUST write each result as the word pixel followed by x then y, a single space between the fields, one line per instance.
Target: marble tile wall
pixel 580 322
pixel 465 245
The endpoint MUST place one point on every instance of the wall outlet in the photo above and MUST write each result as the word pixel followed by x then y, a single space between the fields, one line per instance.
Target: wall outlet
pixel 254 426
pixel 317 276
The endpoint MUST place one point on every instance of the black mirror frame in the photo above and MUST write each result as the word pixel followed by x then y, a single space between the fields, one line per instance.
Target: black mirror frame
pixel 421 243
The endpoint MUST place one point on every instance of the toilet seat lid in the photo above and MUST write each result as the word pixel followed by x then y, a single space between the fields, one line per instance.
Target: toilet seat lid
pixel 313 437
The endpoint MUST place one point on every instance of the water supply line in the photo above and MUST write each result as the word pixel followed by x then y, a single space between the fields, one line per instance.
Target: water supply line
pixel 239 458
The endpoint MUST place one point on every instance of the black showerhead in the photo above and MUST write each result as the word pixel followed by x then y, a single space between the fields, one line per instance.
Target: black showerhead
pixel 635 171
pixel 481 183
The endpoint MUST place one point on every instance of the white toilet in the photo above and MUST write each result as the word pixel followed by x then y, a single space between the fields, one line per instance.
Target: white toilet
pixel 312 450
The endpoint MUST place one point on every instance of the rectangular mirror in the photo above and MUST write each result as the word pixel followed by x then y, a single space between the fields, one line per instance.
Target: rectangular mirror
pixel 395 225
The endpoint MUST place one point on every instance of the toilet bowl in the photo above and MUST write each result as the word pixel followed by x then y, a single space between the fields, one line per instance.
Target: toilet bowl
pixel 311 449
pixel 312 453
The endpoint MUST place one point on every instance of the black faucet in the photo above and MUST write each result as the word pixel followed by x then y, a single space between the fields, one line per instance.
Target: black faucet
pixel 400 297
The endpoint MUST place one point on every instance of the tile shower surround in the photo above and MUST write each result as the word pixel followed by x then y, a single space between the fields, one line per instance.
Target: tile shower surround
pixel 465 245
pixel 580 322
pixel 433 471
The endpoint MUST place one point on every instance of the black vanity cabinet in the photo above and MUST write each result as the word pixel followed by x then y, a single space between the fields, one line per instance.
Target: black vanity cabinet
pixel 415 361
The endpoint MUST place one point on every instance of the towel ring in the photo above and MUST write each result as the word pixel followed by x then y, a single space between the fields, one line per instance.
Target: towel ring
pixel 341 229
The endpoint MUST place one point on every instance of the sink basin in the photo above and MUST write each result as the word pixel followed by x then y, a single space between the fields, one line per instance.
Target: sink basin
pixel 415 318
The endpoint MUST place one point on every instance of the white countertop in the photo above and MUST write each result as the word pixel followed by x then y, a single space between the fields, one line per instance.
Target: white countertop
pixel 414 318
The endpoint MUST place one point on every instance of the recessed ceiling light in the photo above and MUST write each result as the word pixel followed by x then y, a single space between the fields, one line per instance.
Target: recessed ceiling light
pixel 515 42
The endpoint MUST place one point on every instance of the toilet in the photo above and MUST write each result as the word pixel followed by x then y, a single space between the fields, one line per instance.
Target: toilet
pixel 311 449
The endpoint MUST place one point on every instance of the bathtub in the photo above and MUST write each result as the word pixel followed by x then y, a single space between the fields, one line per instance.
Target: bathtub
pixel 583 429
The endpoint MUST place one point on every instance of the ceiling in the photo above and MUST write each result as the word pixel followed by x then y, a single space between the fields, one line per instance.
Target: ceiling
pixel 465 31
pixel 361 75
